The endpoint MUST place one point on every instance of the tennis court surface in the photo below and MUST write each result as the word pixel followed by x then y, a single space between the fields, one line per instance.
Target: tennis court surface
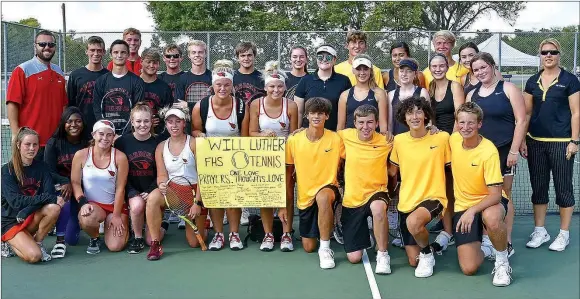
pixel 250 273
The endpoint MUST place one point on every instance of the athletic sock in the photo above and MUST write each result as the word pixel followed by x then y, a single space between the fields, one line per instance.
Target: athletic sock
pixel 426 249
pixel 501 256
pixel 324 244
pixel 384 253
pixel 59 239
pixel 540 229
pixel 565 233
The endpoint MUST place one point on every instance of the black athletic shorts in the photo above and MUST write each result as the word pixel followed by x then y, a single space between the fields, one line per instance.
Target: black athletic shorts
pixel 504 152
pixel 433 206
pixel 355 228
pixel 476 233
pixel 308 225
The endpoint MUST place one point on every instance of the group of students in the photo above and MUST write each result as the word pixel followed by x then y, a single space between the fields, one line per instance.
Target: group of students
pixel 458 129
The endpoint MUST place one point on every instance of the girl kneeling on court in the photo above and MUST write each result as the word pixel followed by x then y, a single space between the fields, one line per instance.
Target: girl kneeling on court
pixel 175 157
pixel 139 147
pixel 263 125
pixel 30 207
pixel 98 177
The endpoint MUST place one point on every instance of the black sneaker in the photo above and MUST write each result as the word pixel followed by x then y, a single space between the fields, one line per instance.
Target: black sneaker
pixel 136 246
pixel 94 246
pixel 510 250
pixel 437 228
pixel 165 225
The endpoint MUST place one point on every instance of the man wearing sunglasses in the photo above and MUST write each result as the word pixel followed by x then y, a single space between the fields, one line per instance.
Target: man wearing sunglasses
pixel 172 56
pixel 81 82
pixel 36 94
pixel 325 83
pixel 132 37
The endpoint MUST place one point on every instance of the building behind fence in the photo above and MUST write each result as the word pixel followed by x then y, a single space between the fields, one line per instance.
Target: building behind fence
pixel 18 46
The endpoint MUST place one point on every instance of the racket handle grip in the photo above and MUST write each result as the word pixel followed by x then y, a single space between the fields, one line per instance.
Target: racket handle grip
pixel 201 242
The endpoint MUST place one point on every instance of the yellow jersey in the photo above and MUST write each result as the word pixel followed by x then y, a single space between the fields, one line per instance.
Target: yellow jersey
pixel 316 163
pixel 365 170
pixel 345 68
pixel 454 73
pixel 474 170
pixel 421 162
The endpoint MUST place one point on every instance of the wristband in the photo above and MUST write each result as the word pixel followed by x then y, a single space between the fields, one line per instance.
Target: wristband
pixel 576 142
pixel 82 200
pixel 512 153
pixel 198 202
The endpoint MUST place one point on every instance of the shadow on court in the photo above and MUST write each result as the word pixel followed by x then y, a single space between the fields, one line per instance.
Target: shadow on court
pixel 250 273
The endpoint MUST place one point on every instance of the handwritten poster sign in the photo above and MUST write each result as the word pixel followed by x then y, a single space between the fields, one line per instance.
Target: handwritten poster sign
pixel 242 172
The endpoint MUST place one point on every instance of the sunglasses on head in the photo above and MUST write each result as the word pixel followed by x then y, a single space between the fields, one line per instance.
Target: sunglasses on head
pixel 553 52
pixel 44 44
pixel 324 57
pixel 169 56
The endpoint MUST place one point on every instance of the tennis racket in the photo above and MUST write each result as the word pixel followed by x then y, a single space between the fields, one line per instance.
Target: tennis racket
pixel 179 200
pixel 116 107
pixel 196 91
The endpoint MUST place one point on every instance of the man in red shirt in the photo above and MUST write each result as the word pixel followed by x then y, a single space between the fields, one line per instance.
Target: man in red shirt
pixel 36 94
pixel 133 37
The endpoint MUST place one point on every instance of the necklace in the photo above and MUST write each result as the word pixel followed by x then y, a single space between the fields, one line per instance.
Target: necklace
pixel 486 87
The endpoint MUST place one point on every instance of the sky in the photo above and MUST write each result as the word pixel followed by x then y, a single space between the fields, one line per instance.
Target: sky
pixel 536 15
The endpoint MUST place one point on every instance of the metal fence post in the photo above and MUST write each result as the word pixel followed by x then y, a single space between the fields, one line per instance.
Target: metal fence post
pixel 5 49
pixel 575 51
pixel 499 54
pixel 208 63
pixel 279 50
pixel 34 43
pixel 59 49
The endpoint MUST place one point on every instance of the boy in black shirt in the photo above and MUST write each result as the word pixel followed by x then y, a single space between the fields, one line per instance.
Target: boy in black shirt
pixel 81 82
pixel 116 92
pixel 248 82
pixel 157 94
pixel 172 56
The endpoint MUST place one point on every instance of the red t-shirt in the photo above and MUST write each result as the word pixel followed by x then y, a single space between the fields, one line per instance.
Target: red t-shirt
pixel 133 66
pixel 40 91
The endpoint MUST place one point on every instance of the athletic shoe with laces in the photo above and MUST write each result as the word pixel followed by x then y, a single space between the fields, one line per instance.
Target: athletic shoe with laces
pixel 337 233
pixel 244 220
pixel 501 274
pixel 235 242
pixel 425 266
pixel 286 244
pixel 94 246
pixel 45 256
pixel 487 248
pixel 225 219
pixel 383 263
pixel 537 238
pixel 174 219
pixel 267 242
pixel 511 250
pixel 217 243
pixel 136 246
pixel 441 242
pixel 560 243
pixel 181 224
pixel 155 251
pixel 7 250
pixel 326 256
pixel 101 228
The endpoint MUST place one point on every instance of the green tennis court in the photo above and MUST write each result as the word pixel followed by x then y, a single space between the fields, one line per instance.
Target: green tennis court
pixel 250 273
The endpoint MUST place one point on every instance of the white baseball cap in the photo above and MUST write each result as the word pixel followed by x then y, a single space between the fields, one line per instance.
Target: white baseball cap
pixel 362 61
pixel 327 49
pixel 176 112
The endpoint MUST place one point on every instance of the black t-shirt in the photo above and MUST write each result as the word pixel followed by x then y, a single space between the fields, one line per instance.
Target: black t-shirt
pixel 142 168
pixel 114 98
pixel 312 86
pixel 291 84
pixel 192 88
pixel 248 86
pixel 171 80
pixel 36 190
pixel 79 89
pixel 157 95
pixel 58 156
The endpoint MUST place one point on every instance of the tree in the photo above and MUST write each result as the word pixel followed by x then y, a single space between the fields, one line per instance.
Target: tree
pixel 460 15
pixel 31 22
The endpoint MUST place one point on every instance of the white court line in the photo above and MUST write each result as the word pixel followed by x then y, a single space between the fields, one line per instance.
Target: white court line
pixel 370 276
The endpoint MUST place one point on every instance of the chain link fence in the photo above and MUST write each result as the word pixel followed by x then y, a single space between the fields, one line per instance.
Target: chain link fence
pixel 18 46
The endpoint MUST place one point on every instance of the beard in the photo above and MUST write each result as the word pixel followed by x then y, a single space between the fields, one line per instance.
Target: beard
pixel 40 54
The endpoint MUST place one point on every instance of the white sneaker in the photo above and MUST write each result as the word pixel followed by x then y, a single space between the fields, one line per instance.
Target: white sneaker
pixel 267 242
pixel 383 263
pixel 225 219
pixel 326 256
pixel 45 256
pixel 7 250
pixel 244 221
pixel 487 248
pixel 181 224
pixel 560 243
pixel 397 242
pixel 501 275
pixel 217 243
pixel 235 242
pixel 286 244
pixel 443 240
pixel 537 238
pixel 425 267
pixel 174 219
pixel 102 228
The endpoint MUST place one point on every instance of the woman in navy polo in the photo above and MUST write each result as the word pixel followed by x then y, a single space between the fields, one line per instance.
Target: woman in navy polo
pixel 552 96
